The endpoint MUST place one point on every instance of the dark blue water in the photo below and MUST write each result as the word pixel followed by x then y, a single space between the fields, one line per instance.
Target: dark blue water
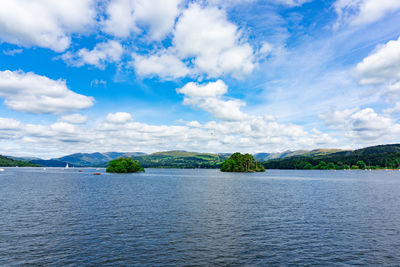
pixel 199 217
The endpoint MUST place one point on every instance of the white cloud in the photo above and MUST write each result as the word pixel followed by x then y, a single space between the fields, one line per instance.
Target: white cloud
pixel 392 92
pixel 211 89
pixel 266 49
pixel 164 65
pixel 383 64
pixel 289 3
pixel 9 124
pixel 208 98
pixel 394 109
pixel 12 52
pixel 292 3
pixel 97 83
pixel 102 53
pixel 63 128
pixel 204 43
pixel 360 12
pixel 33 93
pixel 44 23
pixel 119 117
pixel 215 44
pixel 74 118
pixel 363 126
pixel 132 16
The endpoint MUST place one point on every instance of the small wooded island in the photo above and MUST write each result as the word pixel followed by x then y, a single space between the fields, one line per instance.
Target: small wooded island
pixel 241 163
pixel 124 165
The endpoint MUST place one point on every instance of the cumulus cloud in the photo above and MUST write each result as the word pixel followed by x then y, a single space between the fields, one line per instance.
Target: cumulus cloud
pixel 208 98
pixel 360 12
pixel 33 93
pixel 9 124
pixel 214 43
pixel 165 65
pixel 204 43
pixel 125 17
pixel 44 23
pixel 363 125
pixel 102 53
pixel 119 117
pixel 74 118
pixel 381 65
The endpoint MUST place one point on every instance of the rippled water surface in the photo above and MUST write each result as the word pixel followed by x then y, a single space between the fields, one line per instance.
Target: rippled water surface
pixel 58 217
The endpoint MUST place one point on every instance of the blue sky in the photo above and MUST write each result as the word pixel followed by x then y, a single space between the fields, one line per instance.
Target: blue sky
pixel 210 76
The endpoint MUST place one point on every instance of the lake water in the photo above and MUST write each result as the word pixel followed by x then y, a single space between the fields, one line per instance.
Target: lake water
pixel 58 217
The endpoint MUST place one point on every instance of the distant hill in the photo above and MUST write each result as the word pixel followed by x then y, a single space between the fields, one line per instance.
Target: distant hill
pixel 8 162
pixel 164 159
pixel 85 159
pixel 379 156
pixel 49 163
pixel 287 154
pixel 181 159
pixel 27 159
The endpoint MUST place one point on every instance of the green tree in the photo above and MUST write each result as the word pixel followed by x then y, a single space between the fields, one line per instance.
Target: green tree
pixel 124 165
pixel 331 166
pixel 308 166
pixel 321 165
pixel 241 163
pixel 361 164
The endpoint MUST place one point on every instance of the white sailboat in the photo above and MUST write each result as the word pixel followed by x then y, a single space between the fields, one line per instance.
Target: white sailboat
pixel 66 166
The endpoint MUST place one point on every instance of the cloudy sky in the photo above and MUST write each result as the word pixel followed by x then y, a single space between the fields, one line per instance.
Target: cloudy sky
pixel 209 76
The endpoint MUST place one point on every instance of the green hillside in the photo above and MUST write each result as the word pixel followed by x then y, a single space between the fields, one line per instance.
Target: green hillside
pixel 382 156
pixel 288 154
pixel 7 162
pixel 85 159
pixel 180 159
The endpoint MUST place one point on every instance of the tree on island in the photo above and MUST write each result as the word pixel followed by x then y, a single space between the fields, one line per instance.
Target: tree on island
pixel 124 165
pixel 241 163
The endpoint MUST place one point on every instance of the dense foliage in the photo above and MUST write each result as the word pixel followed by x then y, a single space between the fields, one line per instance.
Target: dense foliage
pixel 241 163
pixel 124 165
pixel 7 162
pixel 377 157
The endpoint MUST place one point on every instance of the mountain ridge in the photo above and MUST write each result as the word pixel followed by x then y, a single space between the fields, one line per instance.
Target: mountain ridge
pixel 185 159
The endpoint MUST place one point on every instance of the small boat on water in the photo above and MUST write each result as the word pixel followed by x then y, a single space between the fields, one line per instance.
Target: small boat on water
pixel 80 171
pixel 66 166
pixel 96 173
pixel 2 170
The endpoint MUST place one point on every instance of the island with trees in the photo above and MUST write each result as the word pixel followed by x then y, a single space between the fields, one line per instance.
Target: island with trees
pixel 124 165
pixel 241 163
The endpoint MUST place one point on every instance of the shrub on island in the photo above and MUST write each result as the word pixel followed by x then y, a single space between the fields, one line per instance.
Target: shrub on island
pixel 241 163
pixel 124 165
